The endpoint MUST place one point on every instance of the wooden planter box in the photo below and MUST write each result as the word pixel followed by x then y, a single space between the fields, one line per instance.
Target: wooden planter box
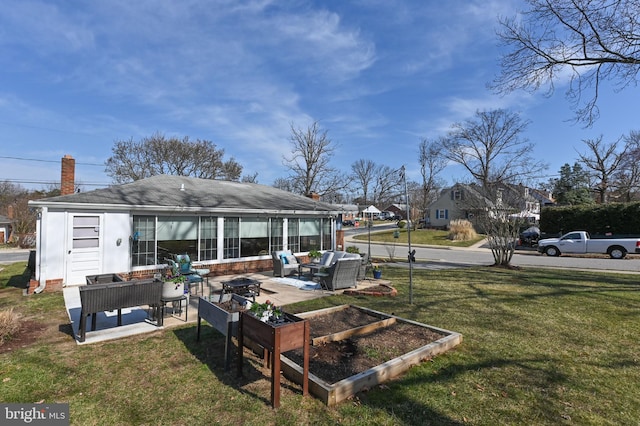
pixel 224 321
pixel 333 393
pixel 275 339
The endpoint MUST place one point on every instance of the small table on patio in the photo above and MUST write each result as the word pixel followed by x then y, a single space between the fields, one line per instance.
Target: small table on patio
pixel 246 287
pixel 314 268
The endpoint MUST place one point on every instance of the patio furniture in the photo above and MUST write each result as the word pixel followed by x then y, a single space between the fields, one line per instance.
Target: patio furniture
pixel 243 286
pixel 182 266
pixel 173 292
pixel 284 263
pixel 341 274
pixel 115 296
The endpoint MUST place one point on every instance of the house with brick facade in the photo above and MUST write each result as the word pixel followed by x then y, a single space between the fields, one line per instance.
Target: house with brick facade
pixel 130 229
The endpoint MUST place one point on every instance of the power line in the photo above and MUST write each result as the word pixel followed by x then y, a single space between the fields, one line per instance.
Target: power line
pixel 51 182
pixel 49 161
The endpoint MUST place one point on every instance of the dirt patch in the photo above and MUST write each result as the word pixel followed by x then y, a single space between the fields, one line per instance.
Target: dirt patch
pixel 376 290
pixel 335 361
pixel 29 332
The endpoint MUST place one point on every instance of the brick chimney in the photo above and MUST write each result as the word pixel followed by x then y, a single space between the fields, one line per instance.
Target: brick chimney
pixel 314 196
pixel 68 176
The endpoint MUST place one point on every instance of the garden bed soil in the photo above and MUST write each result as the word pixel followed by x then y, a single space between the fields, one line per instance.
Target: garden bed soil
pixel 333 361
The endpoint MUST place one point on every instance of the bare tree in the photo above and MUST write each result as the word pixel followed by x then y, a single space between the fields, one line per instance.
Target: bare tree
pixel 603 160
pixel 589 40
pixel 388 184
pixel 250 178
pixel 155 155
pixel 364 174
pixel 491 149
pixel 432 163
pixel 626 180
pixel 309 163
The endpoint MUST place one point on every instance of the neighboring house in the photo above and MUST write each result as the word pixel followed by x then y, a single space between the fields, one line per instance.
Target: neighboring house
pixel 399 210
pixel 229 227
pixel 349 211
pixel 5 229
pixel 461 201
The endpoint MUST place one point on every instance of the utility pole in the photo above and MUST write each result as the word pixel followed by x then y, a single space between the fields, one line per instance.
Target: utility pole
pixel 411 255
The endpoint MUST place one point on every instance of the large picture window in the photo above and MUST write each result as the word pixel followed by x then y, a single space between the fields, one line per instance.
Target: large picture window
pixel 310 234
pixel 254 237
pixel 177 235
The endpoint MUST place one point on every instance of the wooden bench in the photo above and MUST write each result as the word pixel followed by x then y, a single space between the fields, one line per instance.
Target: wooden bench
pixel 115 296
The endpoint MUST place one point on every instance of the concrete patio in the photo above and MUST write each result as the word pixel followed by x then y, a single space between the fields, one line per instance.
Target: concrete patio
pixel 135 320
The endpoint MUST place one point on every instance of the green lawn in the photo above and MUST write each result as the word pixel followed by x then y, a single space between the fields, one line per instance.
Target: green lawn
pixel 543 347
pixel 418 236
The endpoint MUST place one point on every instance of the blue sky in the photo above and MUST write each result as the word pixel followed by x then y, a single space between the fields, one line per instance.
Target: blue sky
pixel 76 76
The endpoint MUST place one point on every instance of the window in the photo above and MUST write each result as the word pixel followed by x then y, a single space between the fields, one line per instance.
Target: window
pixel 326 234
pixel 86 232
pixel 208 238
pixel 143 241
pixel 310 234
pixel 154 239
pixel 254 237
pixel 231 237
pixel 276 235
pixel 442 214
pixel 177 235
pixel 293 235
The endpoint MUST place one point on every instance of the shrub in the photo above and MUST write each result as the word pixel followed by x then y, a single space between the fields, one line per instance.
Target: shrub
pixel 353 249
pixel 9 324
pixel 461 230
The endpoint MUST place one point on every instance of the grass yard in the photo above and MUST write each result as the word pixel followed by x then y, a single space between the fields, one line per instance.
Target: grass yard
pixel 418 236
pixel 543 347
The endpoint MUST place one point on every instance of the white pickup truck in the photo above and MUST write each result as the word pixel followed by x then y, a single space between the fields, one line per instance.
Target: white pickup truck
pixel 580 242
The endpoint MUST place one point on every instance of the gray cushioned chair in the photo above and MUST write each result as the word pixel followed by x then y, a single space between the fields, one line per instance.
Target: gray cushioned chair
pixel 284 263
pixel 342 274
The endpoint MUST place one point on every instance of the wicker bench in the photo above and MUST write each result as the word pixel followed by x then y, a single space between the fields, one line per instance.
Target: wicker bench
pixel 117 295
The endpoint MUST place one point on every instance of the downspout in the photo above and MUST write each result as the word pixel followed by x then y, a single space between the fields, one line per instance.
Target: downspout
pixel 42 283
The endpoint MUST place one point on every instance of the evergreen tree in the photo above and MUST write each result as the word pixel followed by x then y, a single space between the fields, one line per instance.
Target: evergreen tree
pixel 572 187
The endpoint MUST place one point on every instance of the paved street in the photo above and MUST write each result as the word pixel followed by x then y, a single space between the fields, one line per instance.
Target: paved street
pixel 447 257
pixel 13 255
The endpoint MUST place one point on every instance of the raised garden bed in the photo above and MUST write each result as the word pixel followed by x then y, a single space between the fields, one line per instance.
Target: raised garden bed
pixel 354 348
pixel 224 316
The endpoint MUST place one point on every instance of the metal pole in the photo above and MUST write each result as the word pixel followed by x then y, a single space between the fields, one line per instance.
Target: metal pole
pixel 410 255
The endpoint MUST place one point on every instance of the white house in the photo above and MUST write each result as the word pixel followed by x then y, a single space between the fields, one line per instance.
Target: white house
pixel 130 229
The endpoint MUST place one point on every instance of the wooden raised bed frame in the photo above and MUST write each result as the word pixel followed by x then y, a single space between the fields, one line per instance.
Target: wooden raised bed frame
pixel 333 393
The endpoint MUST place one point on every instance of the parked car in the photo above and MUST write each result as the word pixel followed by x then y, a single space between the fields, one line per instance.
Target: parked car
pixel 530 236
pixel 581 242
pixel 348 223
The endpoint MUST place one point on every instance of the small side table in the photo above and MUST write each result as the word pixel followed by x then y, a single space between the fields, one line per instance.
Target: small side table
pixel 175 300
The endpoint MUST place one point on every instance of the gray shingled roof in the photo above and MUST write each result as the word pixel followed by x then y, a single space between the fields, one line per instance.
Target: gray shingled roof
pixel 171 192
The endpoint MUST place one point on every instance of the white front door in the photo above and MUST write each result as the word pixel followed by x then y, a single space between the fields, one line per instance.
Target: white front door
pixel 84 255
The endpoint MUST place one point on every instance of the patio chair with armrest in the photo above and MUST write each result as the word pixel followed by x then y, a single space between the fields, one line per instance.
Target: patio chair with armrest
pixel 182 265
pixel 341 274
pixel 284 263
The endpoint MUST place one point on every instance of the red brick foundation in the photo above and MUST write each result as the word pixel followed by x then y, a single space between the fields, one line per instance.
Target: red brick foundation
pixel 235 268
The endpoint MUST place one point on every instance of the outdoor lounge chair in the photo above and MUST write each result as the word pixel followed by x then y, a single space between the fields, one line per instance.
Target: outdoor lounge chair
pixel 284 263
pixel 342 274
pixel 182 266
